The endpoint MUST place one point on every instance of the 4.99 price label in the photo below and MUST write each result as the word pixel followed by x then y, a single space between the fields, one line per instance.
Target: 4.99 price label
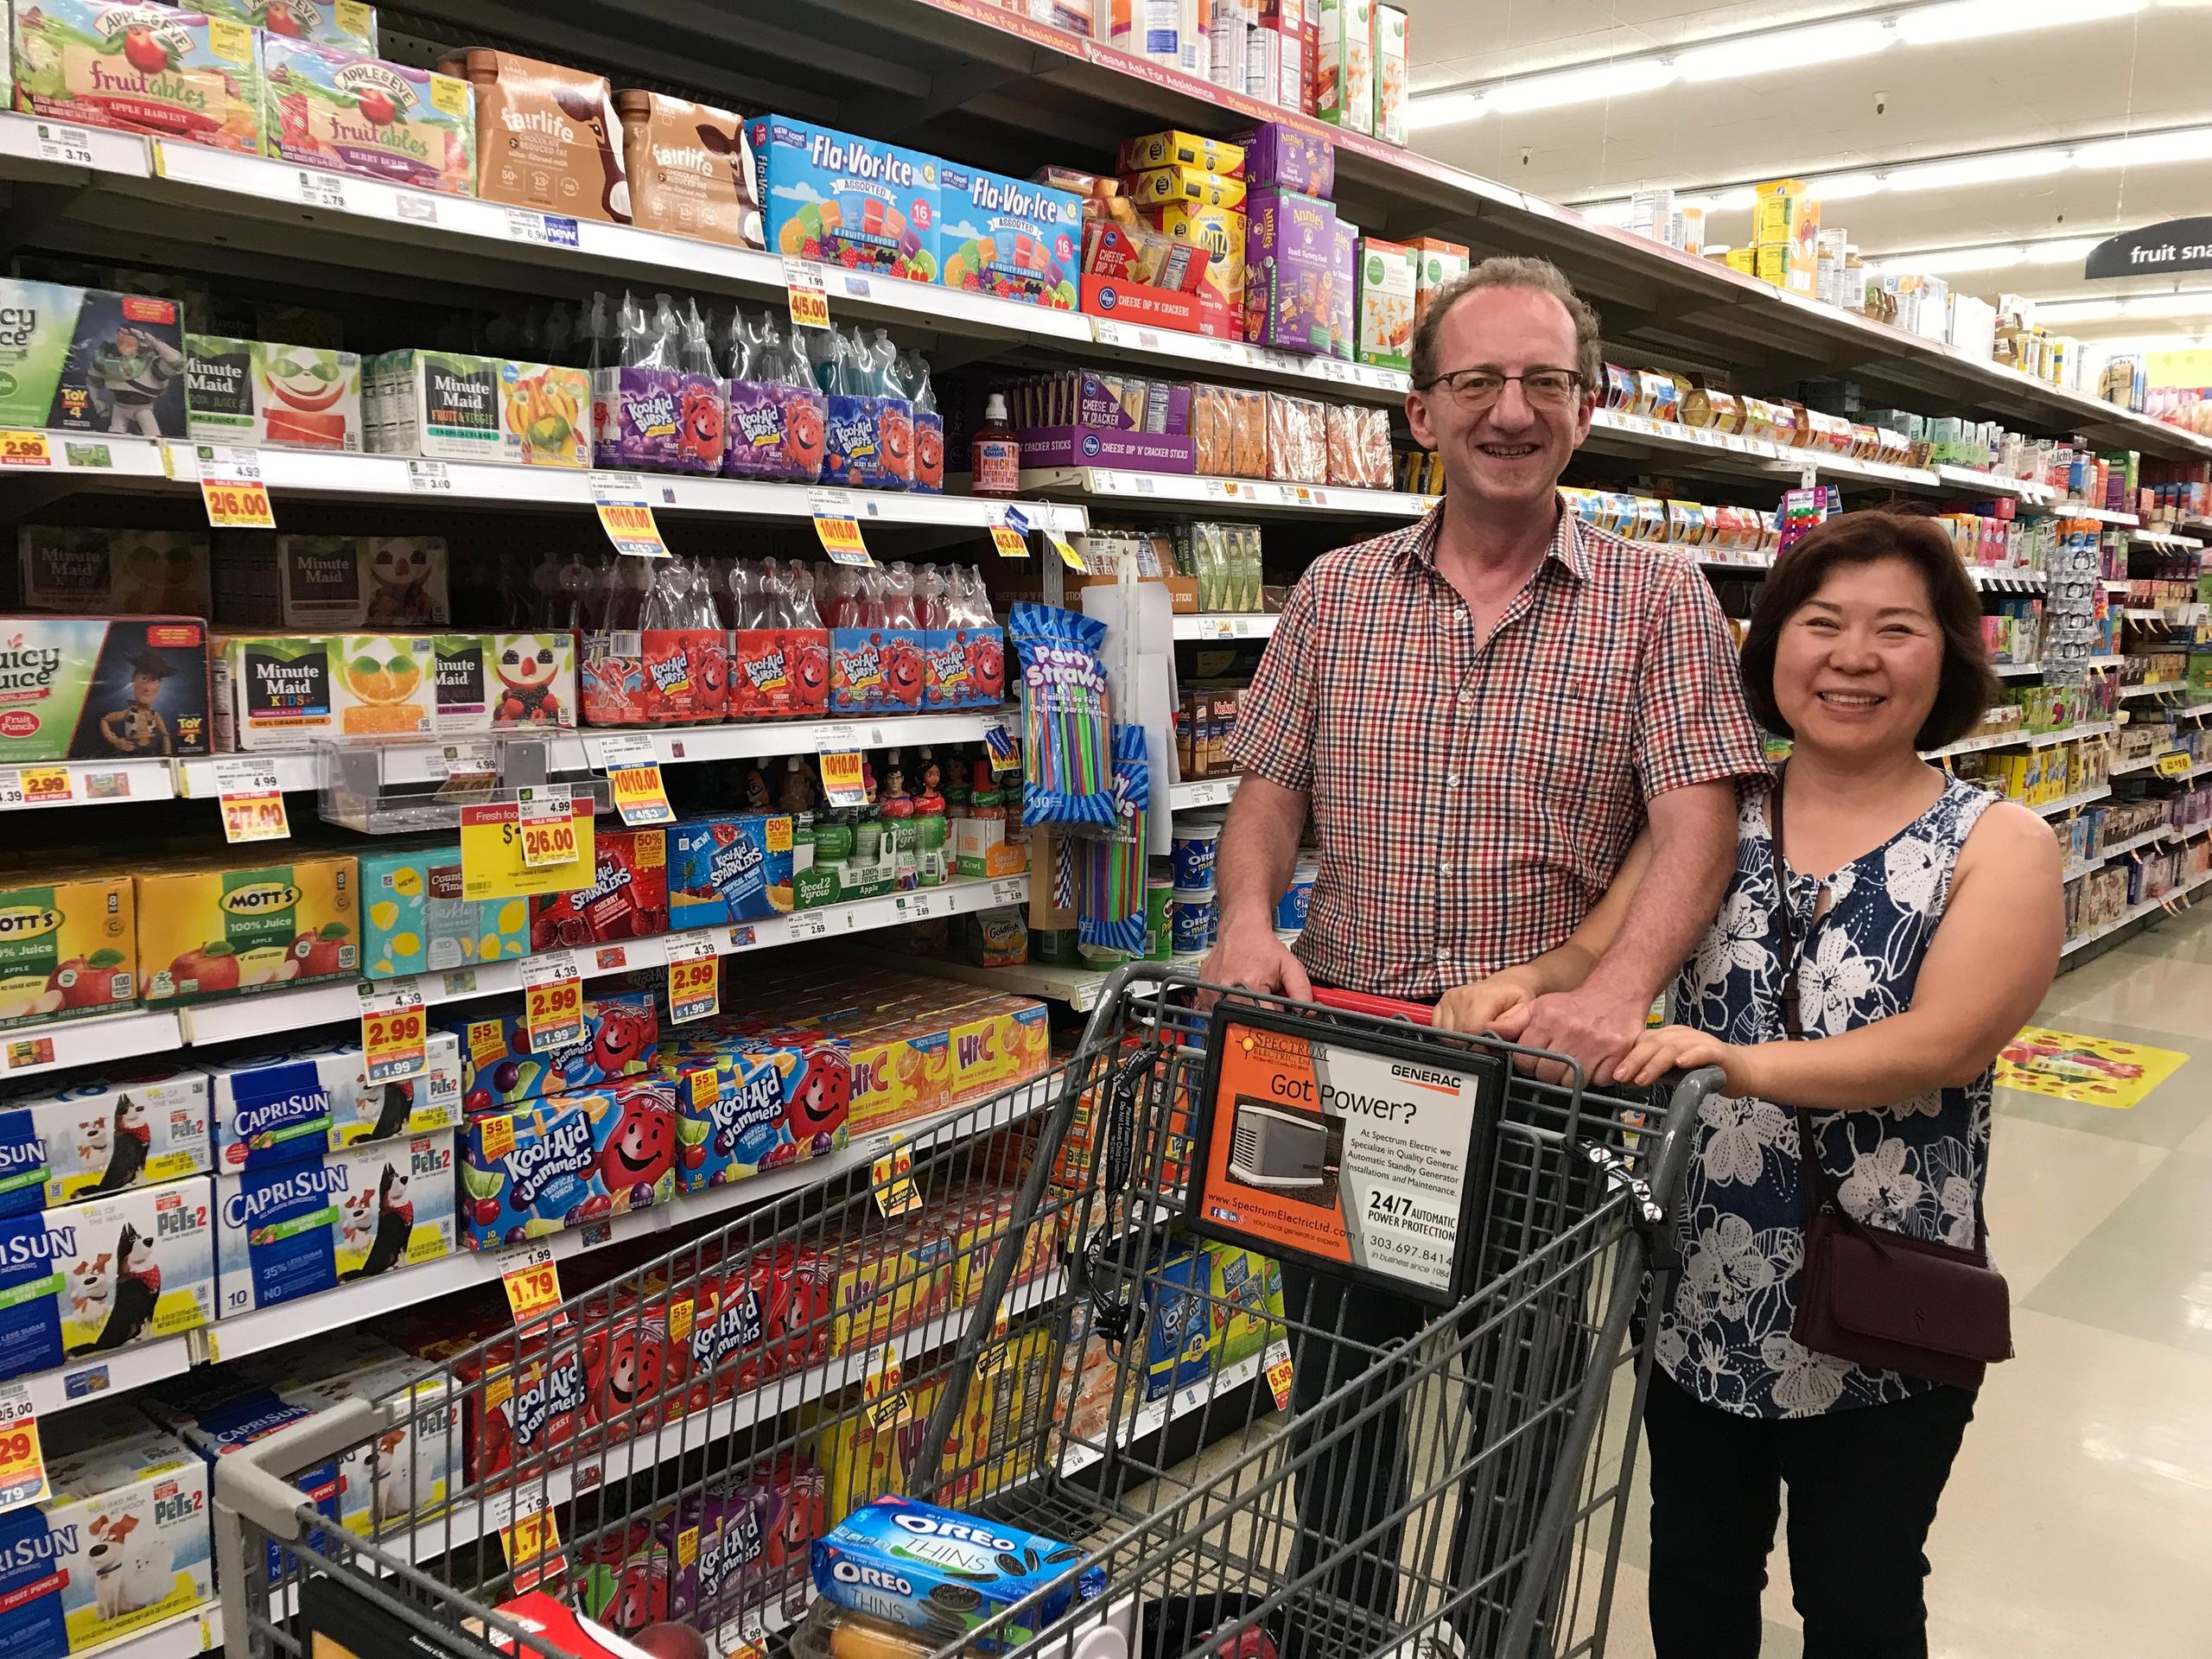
pixel 394 1033
pixel 232 489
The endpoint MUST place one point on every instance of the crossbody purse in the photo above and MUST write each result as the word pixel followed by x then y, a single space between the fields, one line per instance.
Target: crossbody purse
pixel 1872 1295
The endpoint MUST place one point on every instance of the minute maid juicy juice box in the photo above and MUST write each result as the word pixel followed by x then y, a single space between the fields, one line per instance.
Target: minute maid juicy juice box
pixel 334 109
pixel 122 1543
pixel 78 1281
pixel 129 1128
pixel 946 1573
pixel 868 206
pixel 140 69
pixel 290 1231
pixel 1007 237
pixel 68 948
pixel 301 1101
pixel 205 931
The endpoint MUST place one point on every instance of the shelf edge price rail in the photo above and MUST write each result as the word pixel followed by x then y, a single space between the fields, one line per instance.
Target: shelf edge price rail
pixel 233 488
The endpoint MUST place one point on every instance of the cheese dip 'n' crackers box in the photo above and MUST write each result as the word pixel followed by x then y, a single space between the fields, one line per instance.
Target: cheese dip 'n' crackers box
pixel 947 1574
pixel 331 109
pixel 140 68
pixel 79 1281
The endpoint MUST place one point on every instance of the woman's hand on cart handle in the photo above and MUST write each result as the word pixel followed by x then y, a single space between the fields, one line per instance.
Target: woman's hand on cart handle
pixel 1259 962
pixel 1494 1005
pixel 1679 1049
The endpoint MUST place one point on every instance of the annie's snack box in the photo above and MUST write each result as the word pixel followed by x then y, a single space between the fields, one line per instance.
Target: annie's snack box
pixel 1277 153
pixel 140 68
pixel 547 137
pixel 207 930
pixel 332 581
pixel 871 207
pixel 1294 297
pixel 100 572
pixel 286 691
pixel 68 945
pixel 75 688
pixel 454 406
pixel 690 167
pixel 300 1101
pixel 349 25
pixel 253 392
pixel 298 1229
pixel 121 1129
pixel 84 1279
pixel 415 920
pixel 122 1542
pixel 86 359
pixel 324 106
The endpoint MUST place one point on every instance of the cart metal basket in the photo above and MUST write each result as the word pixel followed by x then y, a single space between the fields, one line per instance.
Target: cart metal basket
pixel 1457 1477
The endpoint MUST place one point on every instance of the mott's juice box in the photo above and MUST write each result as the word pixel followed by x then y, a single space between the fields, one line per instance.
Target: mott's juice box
pixel 335 109
pixel 68 948
pixel 871 207
pixel 140 68
pixel 210 932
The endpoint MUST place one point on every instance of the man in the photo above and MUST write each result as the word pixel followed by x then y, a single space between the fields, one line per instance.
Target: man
pixel 1481 712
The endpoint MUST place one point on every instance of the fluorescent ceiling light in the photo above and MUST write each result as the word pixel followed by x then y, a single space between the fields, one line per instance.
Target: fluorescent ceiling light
pixel 2063 251
pixel 1977 20
pixel 1943 261
pixel 2196 303
pixel 2142 149
pixel 1444 109
pixel 2076 310
pixel 1978 169
pixel 1586 85
pixel 1845 187
pixel 1788 48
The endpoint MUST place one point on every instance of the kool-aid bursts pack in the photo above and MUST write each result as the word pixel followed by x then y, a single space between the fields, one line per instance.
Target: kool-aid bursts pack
pixel 869 436
pixel 868 206
pixel 875 638
pixel 776 411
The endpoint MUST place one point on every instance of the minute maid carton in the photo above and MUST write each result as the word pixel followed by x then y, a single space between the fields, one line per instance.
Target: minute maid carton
pixel 290 1231
pixel 122 1543
pixel 296 1103
pixel 870 207
pixel 946 1573
pixel 78 1281
pixel 125 1128
pixel 1007 237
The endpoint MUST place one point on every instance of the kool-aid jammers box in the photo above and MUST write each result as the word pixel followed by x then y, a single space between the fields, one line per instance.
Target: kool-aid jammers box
pixel 622 1032
pixel 1007 237
pixel 747 1104
pixel 868 206
pixel 567 1161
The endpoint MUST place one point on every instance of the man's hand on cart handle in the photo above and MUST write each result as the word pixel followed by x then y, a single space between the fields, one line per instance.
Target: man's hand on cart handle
pixel 1256 959
pixel 1478 1007
pixel 1589 1028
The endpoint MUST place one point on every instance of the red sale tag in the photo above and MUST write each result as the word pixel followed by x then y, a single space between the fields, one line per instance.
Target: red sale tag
pixel 1278 1363
pixel 251 805
pixel 394 1034
pixel 22 1465
pixel 552 1001
pixel 531 1542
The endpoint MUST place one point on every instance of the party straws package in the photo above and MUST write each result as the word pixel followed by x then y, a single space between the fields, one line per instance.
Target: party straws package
pixel 1067 758
pixel 1110 904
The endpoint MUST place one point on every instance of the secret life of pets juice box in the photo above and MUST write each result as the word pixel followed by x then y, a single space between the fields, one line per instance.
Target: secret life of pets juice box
pixel 147 69
pixel 413 1466
pixel 210 928
pixel 81 1280
pixel 565 1160
pixel 75 688
pixel 302 1101
pixel 122 1542
pixel 68 947
pixel 870 207
pixel 85 359
pixel 131 1127
pixel 288 1231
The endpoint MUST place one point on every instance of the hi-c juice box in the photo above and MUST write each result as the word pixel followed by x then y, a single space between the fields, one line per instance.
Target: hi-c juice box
pixel 68 947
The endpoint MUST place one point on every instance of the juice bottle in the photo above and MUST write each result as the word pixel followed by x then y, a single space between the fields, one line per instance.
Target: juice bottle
pixel 995 454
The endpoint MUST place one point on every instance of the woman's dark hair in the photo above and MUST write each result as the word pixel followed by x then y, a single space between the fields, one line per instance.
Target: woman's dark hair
pixel 1966 686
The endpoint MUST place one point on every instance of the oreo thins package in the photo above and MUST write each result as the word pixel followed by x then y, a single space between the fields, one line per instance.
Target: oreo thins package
pixel 946 1573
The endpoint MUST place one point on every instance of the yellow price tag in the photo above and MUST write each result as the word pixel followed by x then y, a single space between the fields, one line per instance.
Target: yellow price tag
pixel 629 526
pixel 844 780
pixel 884 1392
pixel 895 1193
pixel 46 785
pixel 552 1001
pixel 640 796
pixel 546 821
pixel 694 979
pixel 251 804
pixel 1278 1363
pixel 532 1281
pixel 394 1033
pixel 22 1464
pixel 2175 765
pixel 807 289
pixel 1010 545
pixel 841 540
pixel 232 489
pixel 492 862
pixel 1069 556
pixel 25 449
pixel 532 1542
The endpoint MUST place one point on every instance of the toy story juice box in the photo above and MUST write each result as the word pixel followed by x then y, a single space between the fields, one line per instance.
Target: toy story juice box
pixel 132 1126
pixel 415 920
pixel 621 1038
pixel 302 1101
pixel 870 207
pixel 140 68
pixel 84 1279
pixel 85 689
pixel 287 1232
pixel 208 931
pixel 330 108
pixel 84 359
pixel 68 948
pixel 1007 238
pixel 122 1543
pixel 567 1161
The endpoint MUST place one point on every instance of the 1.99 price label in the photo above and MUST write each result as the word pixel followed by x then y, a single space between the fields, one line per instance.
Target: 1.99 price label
pixel 394 1033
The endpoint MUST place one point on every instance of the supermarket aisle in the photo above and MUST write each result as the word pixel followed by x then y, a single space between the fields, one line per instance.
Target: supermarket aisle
pixel 2077 1519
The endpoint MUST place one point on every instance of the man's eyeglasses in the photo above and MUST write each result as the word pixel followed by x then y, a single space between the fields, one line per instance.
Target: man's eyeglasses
pixel 1475 389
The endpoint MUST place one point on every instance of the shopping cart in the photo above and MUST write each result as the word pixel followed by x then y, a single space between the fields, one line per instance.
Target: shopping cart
pixel 999 1352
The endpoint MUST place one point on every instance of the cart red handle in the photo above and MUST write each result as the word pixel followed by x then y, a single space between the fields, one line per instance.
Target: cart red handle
pixel 1381 1007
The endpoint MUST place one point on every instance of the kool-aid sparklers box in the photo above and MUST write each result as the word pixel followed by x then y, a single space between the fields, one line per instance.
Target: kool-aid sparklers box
pixel 868 206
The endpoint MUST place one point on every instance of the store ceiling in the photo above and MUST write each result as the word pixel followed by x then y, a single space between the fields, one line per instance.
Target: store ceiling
pixel 2036 87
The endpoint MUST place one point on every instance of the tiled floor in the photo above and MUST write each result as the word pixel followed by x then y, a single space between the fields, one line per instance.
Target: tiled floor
pixel 2078 1521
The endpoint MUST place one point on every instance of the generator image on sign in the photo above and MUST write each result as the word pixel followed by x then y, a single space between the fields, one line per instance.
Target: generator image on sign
pixel 1356 1152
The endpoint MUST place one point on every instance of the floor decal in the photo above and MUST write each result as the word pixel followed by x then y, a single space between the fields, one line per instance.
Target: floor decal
pixel 2093 1070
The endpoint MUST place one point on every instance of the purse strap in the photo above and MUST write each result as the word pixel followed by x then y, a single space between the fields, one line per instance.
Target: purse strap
pixel 1791 949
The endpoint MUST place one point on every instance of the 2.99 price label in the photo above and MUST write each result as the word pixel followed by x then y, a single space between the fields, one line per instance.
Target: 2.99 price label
pixel 552 1001
pixel 25 449
pixel 694 979
pixel 394 1033
pixel 22 1464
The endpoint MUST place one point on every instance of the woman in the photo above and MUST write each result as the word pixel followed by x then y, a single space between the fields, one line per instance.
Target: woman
pixel 1927 917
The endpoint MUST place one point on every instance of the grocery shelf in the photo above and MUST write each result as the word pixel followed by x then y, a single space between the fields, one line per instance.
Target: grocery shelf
pixel 2121 850
pixel 1190 352
pixel 84 783
pixel 1981 482
pixel 1206 792
pixel 351 1303
pixel 1988 582
pixel 2009 581
pixel 2191 710
pixel 2149 762
pixel 2018 740
pixel 1151 1418
pixel 2134 914
pixel 2155 689
pixel 2102 515
pixel 2071 803
pixel 267 1011
pixel 33 1049
pixel 1222 494
pixel 85 1380
pixel 2015 670
pixel 1077 987
pixel 181 1637
pixel 1257 625
pixel 2145 613
pixel 2167 538
pixel 2114 659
